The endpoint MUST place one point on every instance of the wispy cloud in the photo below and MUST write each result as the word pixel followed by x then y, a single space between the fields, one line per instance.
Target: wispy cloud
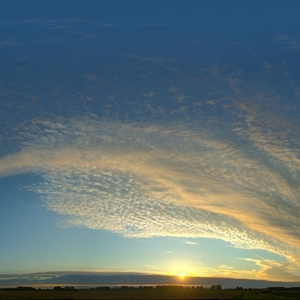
pixel 9 43
pixel 155 24
pixel 80 27
pixel 85 35
pixel 51 24
pixel 144 180
pixel 275 270
pixel 190 243
pixel 288 42
pixel 62 24
pixel 148 95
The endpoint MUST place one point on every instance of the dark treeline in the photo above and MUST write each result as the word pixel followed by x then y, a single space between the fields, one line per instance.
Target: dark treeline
pixel 19 288
pixel 147 287
pixel 279 288
pixel 107 288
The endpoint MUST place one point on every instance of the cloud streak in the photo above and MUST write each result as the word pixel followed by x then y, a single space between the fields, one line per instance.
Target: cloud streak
pixel 144 180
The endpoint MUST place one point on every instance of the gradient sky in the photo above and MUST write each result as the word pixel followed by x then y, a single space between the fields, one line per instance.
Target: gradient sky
pixel 150 136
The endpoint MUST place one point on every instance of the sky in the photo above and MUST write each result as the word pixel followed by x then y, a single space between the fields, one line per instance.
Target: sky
pixel 156 137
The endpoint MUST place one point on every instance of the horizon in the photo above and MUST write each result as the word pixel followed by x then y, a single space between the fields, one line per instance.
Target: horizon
pixel 86 280
pixel 150 137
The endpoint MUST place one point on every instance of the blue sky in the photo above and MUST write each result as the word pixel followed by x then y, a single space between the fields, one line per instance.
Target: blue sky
pixel 153 137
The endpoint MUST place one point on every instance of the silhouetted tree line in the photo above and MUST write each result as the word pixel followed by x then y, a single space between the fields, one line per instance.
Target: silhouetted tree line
pixel 216 287
pixel 123 287
pixel 102 288
pixel 59 288
pixel 19 288
pixel 150 287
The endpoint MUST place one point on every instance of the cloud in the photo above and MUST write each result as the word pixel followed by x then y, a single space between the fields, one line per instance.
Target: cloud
pixel 71 26
pixel 288 42
pixel 52 24
pixel 190 243
pixel 275 270
pixel 145 180
pixel 148 95
pixel 181 97
pixel 9 43
pixel 84 34
pixel 263 269
pixel 155 24
pixel 62 24
pixel 89 77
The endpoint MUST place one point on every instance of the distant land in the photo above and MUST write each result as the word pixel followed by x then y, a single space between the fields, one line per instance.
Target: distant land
pixel 91 279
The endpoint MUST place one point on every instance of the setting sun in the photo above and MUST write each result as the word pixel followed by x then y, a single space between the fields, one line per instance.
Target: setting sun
pixel 182 269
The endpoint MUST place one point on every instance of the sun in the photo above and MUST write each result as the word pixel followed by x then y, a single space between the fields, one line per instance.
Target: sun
pixel 181 269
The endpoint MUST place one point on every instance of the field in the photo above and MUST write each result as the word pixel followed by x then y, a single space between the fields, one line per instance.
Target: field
pixel 118 294
pixel 276 295
pixel 147 294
